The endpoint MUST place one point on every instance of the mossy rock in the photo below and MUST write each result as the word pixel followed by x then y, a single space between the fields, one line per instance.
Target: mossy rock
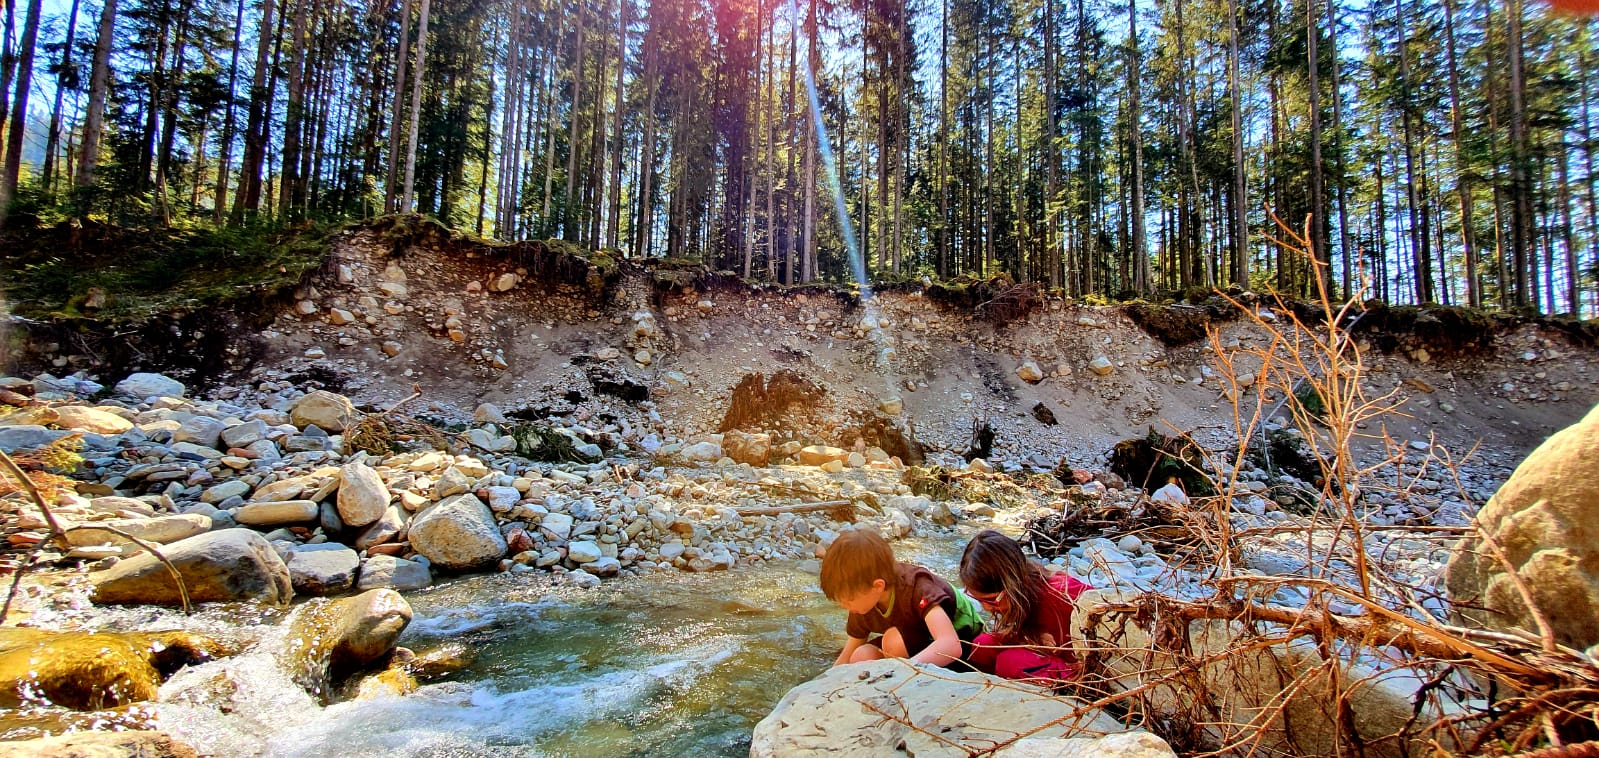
pixel 93 670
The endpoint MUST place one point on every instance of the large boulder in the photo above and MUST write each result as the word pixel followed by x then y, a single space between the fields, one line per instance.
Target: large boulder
pixel 329 411
pixel 150 385
pixel 101 745
pixel 841 712
pixel 457 534
pixel 1545 520
pixel 362 495
pixel 80 418
pixel 330 640
pixel 325 569
pixel 92 671
pixel 225 565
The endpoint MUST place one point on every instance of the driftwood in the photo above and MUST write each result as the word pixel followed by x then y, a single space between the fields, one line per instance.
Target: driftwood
pixel 842 510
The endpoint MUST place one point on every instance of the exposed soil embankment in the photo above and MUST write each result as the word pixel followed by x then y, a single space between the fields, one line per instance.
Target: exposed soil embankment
pixel 540 330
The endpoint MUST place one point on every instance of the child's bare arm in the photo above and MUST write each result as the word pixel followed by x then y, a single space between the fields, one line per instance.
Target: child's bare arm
pixel 849 649
pixel 946 644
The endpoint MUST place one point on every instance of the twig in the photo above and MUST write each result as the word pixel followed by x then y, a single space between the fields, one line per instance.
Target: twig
pixel 183 590
pixel 825 505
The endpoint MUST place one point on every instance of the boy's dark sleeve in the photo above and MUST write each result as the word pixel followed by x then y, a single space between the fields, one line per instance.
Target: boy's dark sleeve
pixel 855 627
pixel 931 590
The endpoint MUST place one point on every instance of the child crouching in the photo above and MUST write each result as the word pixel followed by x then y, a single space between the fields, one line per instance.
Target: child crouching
pixel 896 610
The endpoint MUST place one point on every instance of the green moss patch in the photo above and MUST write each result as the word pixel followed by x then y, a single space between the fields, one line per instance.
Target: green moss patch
pixel 87 270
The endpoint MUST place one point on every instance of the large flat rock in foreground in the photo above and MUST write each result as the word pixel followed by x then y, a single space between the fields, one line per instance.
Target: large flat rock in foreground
pixel 866 709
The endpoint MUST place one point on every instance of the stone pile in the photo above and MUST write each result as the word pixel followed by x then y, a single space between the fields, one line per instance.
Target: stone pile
pixel 264 503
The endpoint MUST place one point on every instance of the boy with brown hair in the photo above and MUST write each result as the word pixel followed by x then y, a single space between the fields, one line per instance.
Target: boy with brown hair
pixel 896 610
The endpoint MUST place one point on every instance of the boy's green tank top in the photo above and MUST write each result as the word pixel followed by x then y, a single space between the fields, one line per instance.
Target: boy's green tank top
pixel 968 619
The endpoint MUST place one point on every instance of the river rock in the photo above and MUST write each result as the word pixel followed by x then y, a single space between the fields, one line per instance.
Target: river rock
pixel 101 745
pixel 1545 519
pixel 826 716
pixel 1101 365
pixel 28 437
pixel 383 530
pixel 328 411
pixel 92 670
pixel 142 386
pixel 708 452
pixel 79 418
pixel 330 640
pixel 583 551
pixel 325 569
pixel 457 534
pixel 362 495
pixel 161 529
pixel 225 565
pixel 276 514
pixel 1030 372
pixel 200 430
pixel 817 455
pixel 245 434
pixel 285 489
pixel 744 447
pixel 225 490
pixel 390 572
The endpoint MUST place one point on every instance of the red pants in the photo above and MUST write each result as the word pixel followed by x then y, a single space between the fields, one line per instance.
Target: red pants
pixel 1018 662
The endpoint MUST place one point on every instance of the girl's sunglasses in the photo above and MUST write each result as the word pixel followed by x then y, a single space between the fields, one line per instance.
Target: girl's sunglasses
pixel 985 600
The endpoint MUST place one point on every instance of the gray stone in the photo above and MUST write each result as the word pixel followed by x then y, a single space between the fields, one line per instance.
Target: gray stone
pixel 967 712
pixel 457 534
pixel 325 569
pixel 557 526
pixel 226 565
pixel 225 490
pixel 200 430
pixel 383 530
pixel 245 434
pixel 708 452
pixel 145 385
pixel 387 571
pixel 583 551
pixel 80 418
pixel 362 495
pixel 451 482
pixel 325 410
pixel 28 437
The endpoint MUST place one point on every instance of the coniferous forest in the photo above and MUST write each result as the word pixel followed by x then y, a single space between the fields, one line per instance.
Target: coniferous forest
pixel 1441 151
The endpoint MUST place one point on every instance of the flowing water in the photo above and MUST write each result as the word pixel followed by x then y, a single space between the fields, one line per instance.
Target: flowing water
pixel 666 665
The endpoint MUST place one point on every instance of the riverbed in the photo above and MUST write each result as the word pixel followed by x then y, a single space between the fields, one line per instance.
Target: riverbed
pixel 667 664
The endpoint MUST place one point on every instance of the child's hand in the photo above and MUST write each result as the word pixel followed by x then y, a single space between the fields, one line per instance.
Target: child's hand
pixel 1047 640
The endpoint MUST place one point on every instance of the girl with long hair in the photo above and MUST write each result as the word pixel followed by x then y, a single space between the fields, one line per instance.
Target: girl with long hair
pixel 1030 611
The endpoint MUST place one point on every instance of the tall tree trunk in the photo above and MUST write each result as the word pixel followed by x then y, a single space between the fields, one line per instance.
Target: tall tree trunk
pixel 225 157
pixel 1521 212
pixel 53 142
pixel 289 193
pixel 1239 216
pixel 19 111
pixel 169 118
pixel 618 136
pixel 247 198
pixel 1468 232
pixel 1135 85
pixel 1420 257
pixel 99 85
pixel 391 186
pixel 1322 267
pixel 1345 246
pixel 406 204
pixel 569 206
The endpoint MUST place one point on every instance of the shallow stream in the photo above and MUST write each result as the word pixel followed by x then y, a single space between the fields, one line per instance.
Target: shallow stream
pixel 665 665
